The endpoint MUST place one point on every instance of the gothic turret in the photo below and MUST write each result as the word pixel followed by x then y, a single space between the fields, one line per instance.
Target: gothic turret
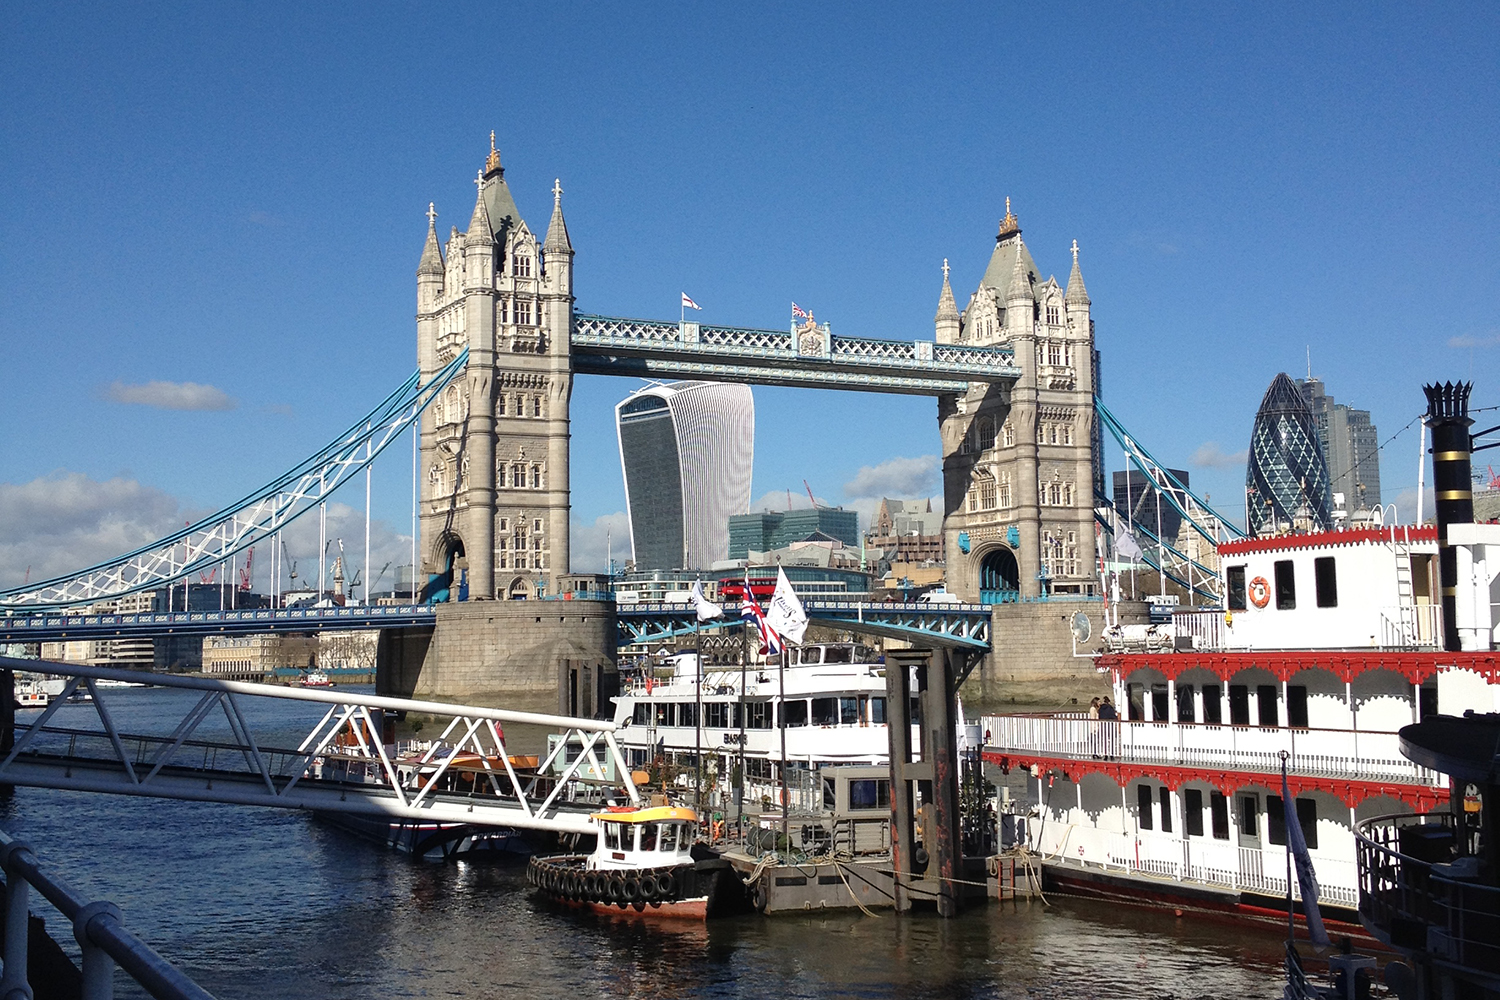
pixel 432 254
pixel 1077 294
pixel 1019 298
pixel 947 320
pixel 557 230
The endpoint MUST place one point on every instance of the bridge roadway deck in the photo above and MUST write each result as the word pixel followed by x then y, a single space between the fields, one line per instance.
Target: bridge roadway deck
pixel 965 626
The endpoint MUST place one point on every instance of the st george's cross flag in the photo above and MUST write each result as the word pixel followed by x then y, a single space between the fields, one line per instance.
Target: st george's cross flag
pixel 688 303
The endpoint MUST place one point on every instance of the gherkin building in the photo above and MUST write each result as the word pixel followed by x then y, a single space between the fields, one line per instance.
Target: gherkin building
pixel 1287 473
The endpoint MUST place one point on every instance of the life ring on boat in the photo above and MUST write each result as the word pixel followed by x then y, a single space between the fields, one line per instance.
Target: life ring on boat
pixel 1260 592
pixel 631 891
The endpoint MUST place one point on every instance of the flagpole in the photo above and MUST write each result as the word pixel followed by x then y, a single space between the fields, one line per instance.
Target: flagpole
pixel 698 712
pixel 785 825
pixel 744 672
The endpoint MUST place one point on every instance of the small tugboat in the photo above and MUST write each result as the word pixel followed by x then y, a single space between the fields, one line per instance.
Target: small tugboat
pixel 643 864
pixel 316 679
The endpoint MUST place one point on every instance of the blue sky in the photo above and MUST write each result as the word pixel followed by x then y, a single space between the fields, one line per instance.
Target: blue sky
pixel 229 199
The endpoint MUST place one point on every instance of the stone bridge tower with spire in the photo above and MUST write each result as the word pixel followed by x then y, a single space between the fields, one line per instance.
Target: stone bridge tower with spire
pixel 494 505
pixel 1020 463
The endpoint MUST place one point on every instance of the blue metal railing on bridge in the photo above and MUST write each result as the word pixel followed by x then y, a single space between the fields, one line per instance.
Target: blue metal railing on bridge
pixel 59 625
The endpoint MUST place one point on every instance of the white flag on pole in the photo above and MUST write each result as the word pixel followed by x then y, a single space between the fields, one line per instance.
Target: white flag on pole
pixel 1127 546
pixel 785 614
pixel 707 610
pixel 689 303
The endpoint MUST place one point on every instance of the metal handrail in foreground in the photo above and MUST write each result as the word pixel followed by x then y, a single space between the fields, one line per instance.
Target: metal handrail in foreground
pixel 1427 905
pixel 97 925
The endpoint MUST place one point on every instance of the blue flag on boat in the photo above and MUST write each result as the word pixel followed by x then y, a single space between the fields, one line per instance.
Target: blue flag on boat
pixel 1307 879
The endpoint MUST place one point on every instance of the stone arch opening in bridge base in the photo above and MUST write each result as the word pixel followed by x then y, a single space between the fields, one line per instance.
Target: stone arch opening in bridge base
pixel 451 581
pixel 999 576
pixel 519 589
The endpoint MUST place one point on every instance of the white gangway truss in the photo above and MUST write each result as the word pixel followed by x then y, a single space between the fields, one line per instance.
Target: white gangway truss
pixel 341 766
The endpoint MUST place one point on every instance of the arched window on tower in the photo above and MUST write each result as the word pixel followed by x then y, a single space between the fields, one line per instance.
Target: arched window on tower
pixel 1052 313
pixel 1007 435
pixel 984 436
pixel 521 265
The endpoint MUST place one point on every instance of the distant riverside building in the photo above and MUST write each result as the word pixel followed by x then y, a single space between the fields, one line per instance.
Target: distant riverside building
pixel 777 529
pixel 1351 445
pixel 1286 477
pixel 1137 495
pixel 906 531
pixel 686 449
pixel 249 657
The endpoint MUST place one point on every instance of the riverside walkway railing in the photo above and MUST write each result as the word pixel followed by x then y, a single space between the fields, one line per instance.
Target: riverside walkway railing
pixel 1345 753
pixel 98 927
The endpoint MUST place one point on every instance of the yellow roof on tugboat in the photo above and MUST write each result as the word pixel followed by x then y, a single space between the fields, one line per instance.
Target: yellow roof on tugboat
pixel 650 814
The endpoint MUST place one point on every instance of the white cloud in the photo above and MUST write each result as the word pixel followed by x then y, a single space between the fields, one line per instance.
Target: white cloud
pixel 1210 456
pixel 1406 506
pixel 591 545
pixel 65 522
pixel 171 396
pixel 896 477
pixel 1469 340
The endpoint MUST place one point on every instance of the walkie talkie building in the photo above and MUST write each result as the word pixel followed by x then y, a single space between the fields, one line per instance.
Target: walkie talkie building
pixel 686 449
pixel 1287 473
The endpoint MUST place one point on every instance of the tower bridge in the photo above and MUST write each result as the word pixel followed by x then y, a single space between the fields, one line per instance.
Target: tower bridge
pixel 1014 374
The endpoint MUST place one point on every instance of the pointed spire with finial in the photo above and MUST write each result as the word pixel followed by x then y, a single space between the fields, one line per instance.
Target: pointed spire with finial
pixel 947 308
pixel 1019 288
pixel 432 254
pixel 1077 294
pixel 479 222
pixel 557 229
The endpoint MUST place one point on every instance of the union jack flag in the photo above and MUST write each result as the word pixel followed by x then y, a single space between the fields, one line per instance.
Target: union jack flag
pixel 751 614
pixel 798 312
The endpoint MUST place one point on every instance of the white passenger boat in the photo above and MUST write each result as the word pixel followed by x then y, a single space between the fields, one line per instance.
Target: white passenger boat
pixel 1331 642
pixel 834 710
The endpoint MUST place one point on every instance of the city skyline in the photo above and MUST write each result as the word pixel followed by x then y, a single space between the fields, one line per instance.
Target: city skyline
pixel 217 225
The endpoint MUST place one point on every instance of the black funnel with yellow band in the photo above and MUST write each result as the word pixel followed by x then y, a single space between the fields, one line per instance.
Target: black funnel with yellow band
pixel 1448 416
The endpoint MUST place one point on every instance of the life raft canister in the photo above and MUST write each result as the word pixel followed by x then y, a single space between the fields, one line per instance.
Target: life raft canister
pixel 1260 592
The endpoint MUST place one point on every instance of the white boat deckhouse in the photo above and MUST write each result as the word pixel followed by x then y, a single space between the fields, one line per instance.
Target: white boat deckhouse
pixel 1329 644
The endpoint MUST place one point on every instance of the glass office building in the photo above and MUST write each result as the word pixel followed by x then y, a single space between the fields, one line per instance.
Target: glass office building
pixel 1286 477
pixel 686 449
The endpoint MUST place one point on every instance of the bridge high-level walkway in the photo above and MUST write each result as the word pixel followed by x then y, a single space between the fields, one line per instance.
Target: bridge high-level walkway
pixel 465 775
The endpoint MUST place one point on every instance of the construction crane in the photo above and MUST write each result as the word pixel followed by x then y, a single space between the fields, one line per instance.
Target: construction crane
pixel 245 573
pixel 811 499
pixel 287 557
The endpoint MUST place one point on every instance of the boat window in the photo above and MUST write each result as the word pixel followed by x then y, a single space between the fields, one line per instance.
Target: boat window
pixel 1296 706
pixel 849 711
pixel 628 834
pixel 1265 701
pixel 758 715
pixel 612 836
pixel 870 793
pixel 823 710
pixel 1192 812
pixel 830 799
pixel 648 836
pixel 813 654
pixel 1158 703
pixel 1286 586
pixel 1235 577
pixel 1218 809
pixel 838 654
pixel 1239 705
pixel 863 654
pixel 1185 712
pixel 877 711
pixel 1307 819
pixel 1213 708
pixel 641 715
pixel 669 836
pixel 664 714
pixel 716 714
pixel 796 712
pixel 1164 796
pixel 1144 801
pixel 687 715
pixel 1326 582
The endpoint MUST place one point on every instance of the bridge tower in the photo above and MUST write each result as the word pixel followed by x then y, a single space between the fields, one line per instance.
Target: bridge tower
pixel 494 447
pixel 1019 463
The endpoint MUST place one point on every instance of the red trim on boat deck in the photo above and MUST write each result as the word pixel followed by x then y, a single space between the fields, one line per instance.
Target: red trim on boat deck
pixel 1422 798
pixel 1325 539
pixel 1345 664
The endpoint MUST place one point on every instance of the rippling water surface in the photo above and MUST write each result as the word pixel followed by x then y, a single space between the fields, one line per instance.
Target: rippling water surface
pixel 257 903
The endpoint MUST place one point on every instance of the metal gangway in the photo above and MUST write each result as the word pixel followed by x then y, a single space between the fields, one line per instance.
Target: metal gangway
pixel 466 774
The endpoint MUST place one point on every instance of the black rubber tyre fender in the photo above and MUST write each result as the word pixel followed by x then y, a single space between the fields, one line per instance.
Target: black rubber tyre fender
pixel 650 887
pixel 760 898
pixel 617 889
pixel 591 886
pixel 632 889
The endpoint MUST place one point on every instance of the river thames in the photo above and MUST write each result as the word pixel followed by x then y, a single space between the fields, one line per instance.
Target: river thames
pixel 268 904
